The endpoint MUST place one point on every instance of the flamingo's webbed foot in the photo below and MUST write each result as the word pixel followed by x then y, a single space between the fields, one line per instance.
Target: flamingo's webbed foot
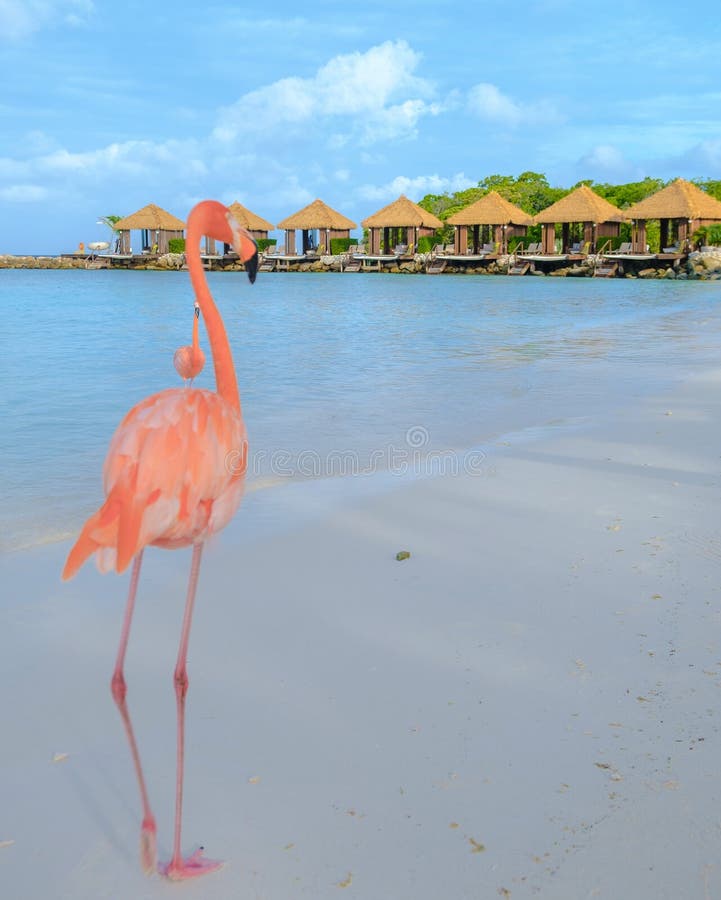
pixel 180 869
pixel 148 847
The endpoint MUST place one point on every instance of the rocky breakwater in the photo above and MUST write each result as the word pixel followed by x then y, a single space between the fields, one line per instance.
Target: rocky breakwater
pixel 705 264
pixel 42 262
pixel 700 264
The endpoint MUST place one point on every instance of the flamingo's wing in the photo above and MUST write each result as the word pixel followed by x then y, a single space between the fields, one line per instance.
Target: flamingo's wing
pixel 173 457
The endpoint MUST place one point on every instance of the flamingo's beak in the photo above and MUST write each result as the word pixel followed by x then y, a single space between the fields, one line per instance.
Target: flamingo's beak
pixel 251 267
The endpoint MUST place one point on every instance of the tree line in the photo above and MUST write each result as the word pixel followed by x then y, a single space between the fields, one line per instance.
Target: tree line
pixel 532 193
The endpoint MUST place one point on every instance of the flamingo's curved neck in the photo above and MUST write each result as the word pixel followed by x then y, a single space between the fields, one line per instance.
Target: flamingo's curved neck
pixel 225 380
pixel 196 351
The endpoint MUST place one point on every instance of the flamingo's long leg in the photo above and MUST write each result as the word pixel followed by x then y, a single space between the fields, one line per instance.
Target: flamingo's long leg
pixel 148 853
pixel 179 868
pixel 118 680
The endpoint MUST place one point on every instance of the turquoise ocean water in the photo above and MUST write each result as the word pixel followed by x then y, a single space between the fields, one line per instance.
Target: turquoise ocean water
pixel 338 373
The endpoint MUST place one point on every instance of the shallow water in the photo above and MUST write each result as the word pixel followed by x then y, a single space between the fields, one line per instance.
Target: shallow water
pixel 337 373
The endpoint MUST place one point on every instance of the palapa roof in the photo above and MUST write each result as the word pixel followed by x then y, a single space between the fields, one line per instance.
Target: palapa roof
pixel 151 217
pixel 581 205
pixel 248 219
pixel 492 209
pixel 678 200
pixel 317 215
pixel 402 213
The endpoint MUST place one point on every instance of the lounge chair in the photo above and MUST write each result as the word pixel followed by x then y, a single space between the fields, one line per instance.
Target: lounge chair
pixel 532 248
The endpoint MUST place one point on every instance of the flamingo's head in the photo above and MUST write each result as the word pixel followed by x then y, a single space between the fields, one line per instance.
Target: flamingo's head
pixel 216 220
pixel 245 246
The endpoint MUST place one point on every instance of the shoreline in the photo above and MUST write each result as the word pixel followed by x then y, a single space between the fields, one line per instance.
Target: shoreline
pixel 698 265
pixel 527 706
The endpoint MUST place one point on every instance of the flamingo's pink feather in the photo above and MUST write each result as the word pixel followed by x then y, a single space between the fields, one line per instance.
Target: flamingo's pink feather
pixel 173 475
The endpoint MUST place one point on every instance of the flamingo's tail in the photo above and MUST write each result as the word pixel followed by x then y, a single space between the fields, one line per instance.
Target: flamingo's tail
pixel 114 530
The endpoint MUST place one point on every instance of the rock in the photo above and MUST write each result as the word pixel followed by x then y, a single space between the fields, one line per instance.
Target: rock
pixel 711 262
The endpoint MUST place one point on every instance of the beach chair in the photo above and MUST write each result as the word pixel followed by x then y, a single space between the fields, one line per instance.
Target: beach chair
pixel 625 247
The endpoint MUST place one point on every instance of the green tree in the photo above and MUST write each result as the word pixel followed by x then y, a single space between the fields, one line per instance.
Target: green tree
pixel 625 195
pixel 109 221
pixel 712 186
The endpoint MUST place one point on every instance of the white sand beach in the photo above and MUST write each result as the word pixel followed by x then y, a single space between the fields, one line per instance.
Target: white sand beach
pixel 526 707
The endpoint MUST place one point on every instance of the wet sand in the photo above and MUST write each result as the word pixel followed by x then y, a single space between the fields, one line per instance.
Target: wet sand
pixel 527 706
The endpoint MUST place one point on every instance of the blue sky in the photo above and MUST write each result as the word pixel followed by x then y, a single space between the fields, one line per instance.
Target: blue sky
pixel 108 106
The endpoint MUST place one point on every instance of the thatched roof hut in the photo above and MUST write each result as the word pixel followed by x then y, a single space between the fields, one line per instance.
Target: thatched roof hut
pixel 401 222
pixel 494 212
pixel 256 225
pixel 253 223
pixel 681 208
pixel 320 217
pixel 599 218
pixel 157 226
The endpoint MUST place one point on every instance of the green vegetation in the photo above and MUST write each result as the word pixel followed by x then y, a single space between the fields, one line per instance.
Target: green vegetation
pixel 264 243
pixel 707 235
pixel 176 245
pixel 710 185
pixel 109 221
pixel 340 245
pixel 426 243
pixel 531 192
pixel 625 195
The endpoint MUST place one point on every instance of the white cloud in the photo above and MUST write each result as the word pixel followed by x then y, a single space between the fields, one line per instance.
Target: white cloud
pixel 126 159
pixel 21 18
pixel 396 122
pixel 487 102
pixel 376 93
pixel 363 82
pixel 608 162
pixel 415 188
pixel 12 169
pixel 705 157
pixel 23 193
pixel 605 156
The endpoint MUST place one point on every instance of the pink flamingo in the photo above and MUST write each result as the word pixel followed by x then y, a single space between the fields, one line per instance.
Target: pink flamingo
pixel 189 360
pixel 173 476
